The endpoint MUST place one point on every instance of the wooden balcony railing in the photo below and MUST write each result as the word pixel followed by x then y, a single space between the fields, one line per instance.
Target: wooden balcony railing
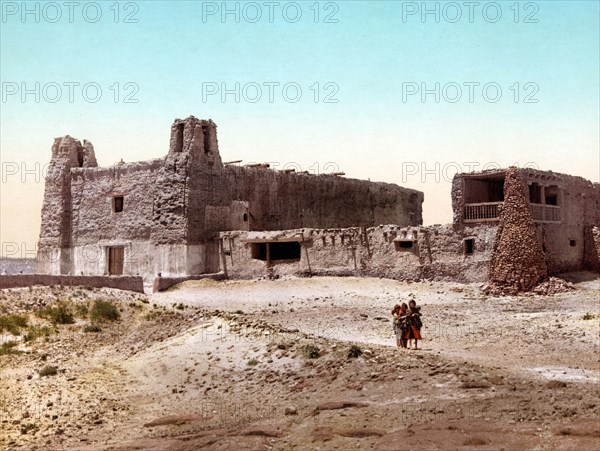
pixel 537 211
pixel 486 211
pixel 545 213
pixel 490 211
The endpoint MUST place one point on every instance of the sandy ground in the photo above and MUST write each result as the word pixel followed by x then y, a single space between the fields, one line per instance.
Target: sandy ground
pixel 227 365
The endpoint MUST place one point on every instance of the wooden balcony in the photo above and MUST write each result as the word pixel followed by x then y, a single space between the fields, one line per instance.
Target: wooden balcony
pixel 490 211
pixel 545 213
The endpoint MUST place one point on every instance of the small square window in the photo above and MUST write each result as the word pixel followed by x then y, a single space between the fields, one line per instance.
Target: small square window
pixel 117 204
pixel 469 246
pixel 404 245
pixel 572 243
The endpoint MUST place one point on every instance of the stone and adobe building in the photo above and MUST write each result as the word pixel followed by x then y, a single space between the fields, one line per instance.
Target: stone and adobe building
pixel 547 224
pixel 189 214
pixel 165 215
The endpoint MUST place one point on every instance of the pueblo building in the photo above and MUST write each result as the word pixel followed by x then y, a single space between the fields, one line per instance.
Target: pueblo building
pixel 165 216
pixel 189 215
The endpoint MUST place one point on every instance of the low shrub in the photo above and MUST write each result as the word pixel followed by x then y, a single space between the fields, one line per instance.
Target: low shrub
pixel 48 370
pixel 92 328
pixel 57 314
pixel 35 332
pixel 82 310
pixel 104 311
pixel 8 347
pixel 311 351
pixel 12 323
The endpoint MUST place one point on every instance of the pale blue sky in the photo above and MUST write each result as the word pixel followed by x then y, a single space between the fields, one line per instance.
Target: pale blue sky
pixel 368 54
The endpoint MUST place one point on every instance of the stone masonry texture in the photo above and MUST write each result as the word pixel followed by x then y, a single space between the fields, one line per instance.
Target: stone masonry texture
pixel 517 262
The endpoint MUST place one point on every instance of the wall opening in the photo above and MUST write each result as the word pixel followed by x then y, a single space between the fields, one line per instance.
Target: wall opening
pixel 484 189
pixel 551 193
pixel 535 193
pixel 279 251
pixel 468 246
pixel 245 217
pixel 116 257
pixel 179 138
pixel 572 243
pixel 404 245
pixel 206 136
pixel 118 203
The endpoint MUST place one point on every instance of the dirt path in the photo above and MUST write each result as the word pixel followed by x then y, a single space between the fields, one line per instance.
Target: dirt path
pixel 543 335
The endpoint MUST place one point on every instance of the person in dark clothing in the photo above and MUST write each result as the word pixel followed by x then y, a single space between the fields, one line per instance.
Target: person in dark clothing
pixel 414 323
pixel 399 317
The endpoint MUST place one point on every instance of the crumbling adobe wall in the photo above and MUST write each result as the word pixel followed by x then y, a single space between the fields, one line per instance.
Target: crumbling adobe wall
pixel 174 207
pixel 190 180
pixel 206 187
pixel 55 232
pixel 280 200
pixel 437 253
pixel 592 248
pixel 27 280
pixel 92 192
pixel 446 257
pixel 96 226
pixel 162 225
pixel 517 262
pixel 457 199
pixel 564 243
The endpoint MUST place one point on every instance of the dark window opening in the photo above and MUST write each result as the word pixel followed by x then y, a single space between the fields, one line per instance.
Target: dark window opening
pixel 179 138
pixel 469 246
pixel 551 193
pixel 324 241
pixel 245 217
pixel 535 193
pixel 403 245
pixel 80 158
pixel 206 139
pixel 483 190
pixel 572 243
pixel 117 204
pixel 289 250
pixel 333 241
pixel 227 252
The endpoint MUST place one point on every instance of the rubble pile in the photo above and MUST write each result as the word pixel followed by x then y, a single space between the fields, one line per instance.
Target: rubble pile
pixel 553 285
pixel 517 263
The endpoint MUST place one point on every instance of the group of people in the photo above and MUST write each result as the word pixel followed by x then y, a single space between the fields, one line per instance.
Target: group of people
pixel 407 324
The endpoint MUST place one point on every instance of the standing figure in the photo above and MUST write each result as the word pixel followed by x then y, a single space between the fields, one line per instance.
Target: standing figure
pixel 413 320
pixel 399 317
